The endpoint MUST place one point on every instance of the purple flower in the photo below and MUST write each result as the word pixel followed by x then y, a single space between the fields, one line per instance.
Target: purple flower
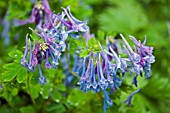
pixel 30 65
pixel 37 14
pixel 134 57
pixel 146 56
pixel 47 63
pixel 74 24
pixel 146 49
pixel 24 61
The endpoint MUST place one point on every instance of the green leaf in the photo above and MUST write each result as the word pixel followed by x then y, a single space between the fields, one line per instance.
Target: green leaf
pixel 100 35
pixel 22 75
pixel 27 109
pixel 45 90
pixel 15 91
pixel 81 42
pixel 73 45
pixel 11 70
pixel 11 66
pixel 156 85
pixel 118 20
pixel 35 89
pixel 84 53
pixel 61 87
pixel 55 108
pixel 35 37
pixel 56 95
pixel 34 78
pixel 77 97
pixel 18 9
pixel 123 55
pixel 16 54
pixel 93 45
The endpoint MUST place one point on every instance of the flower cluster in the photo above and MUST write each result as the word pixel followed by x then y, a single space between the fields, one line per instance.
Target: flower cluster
pixel 140 58
pixel 53 35
pixel 99 72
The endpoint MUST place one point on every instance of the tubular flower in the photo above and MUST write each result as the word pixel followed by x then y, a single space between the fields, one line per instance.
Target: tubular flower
pixel 74 24
pixel 128 100
pixel 41 80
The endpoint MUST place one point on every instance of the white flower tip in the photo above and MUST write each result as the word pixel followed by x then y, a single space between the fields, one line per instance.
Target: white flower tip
pixel 68 7
pixel 130 36
pixel 108 52
pixel 123 38
pixel 100 46
pixel 31 29
pixel 121 35
pixel 62 7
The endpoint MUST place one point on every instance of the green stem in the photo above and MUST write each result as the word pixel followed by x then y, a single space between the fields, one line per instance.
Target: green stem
pixel 29 90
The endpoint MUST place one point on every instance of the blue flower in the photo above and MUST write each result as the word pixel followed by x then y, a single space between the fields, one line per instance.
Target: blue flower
pixel 147 70
pixel 107 101
pixel 54 62
pixel 30 65
pixel 120 62
pixel 97 74
pixel 1 86
pixel 42 79
pixel 6 28
pixel 128 100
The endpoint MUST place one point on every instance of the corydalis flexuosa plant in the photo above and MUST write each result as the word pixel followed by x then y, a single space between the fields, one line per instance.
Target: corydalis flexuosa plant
pixel 100 71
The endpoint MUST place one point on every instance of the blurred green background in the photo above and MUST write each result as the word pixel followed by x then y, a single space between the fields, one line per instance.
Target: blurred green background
pixel 111 17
